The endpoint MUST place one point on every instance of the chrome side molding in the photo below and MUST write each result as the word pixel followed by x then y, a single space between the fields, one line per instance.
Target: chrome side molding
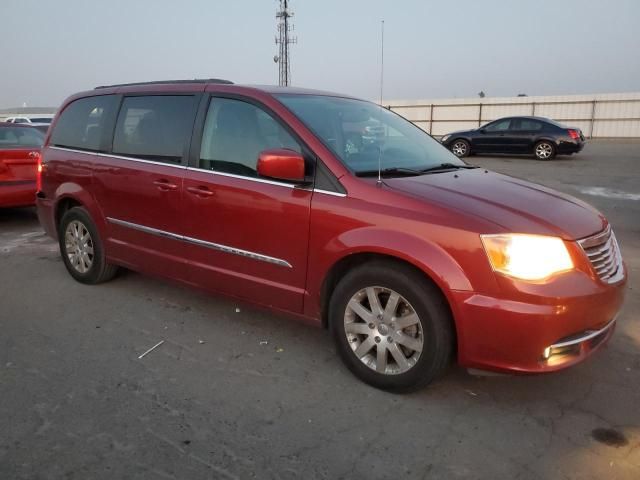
pixel 202 243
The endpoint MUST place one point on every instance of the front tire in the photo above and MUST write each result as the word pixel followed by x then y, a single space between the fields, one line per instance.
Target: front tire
pixel 81 248
pixel 460 148
pixel 392 328
pixel 544 150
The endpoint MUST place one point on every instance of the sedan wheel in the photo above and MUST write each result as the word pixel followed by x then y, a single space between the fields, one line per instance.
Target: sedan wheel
pixel 544 151
pixel 383 330
pixel 460 148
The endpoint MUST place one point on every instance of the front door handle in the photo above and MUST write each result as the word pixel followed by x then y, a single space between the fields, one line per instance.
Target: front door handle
pixel 201 191
pixel 164 185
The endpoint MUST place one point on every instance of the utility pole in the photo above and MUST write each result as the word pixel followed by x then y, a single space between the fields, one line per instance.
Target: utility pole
pixel 283 40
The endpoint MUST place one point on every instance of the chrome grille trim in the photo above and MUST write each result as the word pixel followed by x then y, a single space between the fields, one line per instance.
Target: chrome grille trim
pixel 604 255
pixel 583 337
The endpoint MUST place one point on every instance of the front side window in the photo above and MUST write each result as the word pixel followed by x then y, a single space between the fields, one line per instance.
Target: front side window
pixel 235 132
pixel 499 126
pixel 82 124
pixel 154 127
pixel 20 137
pixel 364 135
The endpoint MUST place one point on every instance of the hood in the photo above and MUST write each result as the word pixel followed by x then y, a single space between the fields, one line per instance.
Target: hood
pixel 469 130
pixel 515 205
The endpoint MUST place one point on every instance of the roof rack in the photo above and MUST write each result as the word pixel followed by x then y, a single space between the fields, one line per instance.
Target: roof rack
pixel 165 82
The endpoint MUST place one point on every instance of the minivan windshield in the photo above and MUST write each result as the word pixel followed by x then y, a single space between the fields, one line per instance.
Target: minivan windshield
pixel 364 135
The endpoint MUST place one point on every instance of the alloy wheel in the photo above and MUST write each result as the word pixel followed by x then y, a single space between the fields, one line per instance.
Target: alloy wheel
pixel 544 151
pixel 459 149
pixel 78 246
pixel 383 330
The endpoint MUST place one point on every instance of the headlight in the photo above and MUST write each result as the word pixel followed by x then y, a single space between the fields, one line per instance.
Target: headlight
pixel 528 257
pixel 445 138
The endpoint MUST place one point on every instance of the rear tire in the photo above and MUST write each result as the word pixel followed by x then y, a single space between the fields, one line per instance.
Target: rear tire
pixel 544 150
pixel 404 340
pixel 81 248
pixel 460 148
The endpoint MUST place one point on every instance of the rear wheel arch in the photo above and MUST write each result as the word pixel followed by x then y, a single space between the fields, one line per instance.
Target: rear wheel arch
pixel 62 206
pixel 69 195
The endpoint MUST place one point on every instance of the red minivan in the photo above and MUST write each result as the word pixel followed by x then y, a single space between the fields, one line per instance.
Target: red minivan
pixel 283 197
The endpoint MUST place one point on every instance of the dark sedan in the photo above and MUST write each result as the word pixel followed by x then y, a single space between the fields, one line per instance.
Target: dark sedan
pixel 540 136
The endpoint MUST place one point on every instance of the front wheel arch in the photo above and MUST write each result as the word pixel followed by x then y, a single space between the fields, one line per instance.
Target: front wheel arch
pixel 350 262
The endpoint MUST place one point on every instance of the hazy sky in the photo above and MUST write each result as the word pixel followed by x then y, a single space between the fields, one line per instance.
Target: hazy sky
pixel 52 48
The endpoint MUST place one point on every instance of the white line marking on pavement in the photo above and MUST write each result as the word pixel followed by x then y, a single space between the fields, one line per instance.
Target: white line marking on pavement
pixel 606 192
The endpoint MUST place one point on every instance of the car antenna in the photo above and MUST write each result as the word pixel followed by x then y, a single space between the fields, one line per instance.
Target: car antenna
pixel 381 85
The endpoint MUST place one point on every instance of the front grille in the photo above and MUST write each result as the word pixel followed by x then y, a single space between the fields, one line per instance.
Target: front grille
pixel 604 254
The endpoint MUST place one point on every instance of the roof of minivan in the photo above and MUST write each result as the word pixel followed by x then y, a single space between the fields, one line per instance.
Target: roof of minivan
pixel 182 86
pixel 202 84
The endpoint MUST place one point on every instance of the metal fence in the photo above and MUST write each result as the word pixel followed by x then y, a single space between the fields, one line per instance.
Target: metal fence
pixel 598 116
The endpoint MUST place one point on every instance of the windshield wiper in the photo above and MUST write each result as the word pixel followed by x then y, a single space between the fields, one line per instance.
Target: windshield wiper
pixel 446 166
pixel 389 171
pixel 442 167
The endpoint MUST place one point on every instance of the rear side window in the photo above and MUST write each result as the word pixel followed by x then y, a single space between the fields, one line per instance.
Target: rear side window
pixel 82 124
pixel 526 124
pixel 155 127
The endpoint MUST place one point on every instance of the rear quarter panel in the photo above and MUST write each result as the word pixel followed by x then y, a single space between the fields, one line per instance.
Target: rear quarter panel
pixel 69 175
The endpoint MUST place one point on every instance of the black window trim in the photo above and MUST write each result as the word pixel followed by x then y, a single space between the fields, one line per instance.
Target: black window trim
pixel 185 150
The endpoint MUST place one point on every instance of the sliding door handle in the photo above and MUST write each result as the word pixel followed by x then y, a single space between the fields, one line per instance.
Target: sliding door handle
pixel 201 191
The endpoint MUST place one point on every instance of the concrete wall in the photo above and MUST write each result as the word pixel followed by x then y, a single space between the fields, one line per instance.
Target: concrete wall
pixel 598 115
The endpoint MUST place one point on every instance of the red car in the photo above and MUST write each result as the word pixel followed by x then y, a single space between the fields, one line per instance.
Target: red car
pixel 19 155
pixel 410 256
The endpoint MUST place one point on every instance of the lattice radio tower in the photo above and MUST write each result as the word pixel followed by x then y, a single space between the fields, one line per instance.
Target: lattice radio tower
pixel 283 40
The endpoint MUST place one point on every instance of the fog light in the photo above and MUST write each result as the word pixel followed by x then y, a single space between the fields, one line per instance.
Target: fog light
pixel 547 353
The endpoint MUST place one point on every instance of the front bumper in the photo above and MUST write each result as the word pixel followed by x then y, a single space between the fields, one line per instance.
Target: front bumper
pixel 504 335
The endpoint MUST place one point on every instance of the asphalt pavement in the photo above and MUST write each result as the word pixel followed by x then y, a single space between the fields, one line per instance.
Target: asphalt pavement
pixel 237 392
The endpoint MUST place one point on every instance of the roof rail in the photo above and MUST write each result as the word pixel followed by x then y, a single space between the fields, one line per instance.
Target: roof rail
pixel 165 82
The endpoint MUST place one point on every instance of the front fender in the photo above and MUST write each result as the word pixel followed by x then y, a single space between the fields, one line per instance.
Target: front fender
pixel 420 252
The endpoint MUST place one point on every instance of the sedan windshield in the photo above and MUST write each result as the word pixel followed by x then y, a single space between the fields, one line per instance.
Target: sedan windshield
pixel 365 136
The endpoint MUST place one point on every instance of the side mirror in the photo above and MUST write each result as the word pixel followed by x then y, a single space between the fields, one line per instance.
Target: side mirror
pixel 281 164
pixel 482 130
